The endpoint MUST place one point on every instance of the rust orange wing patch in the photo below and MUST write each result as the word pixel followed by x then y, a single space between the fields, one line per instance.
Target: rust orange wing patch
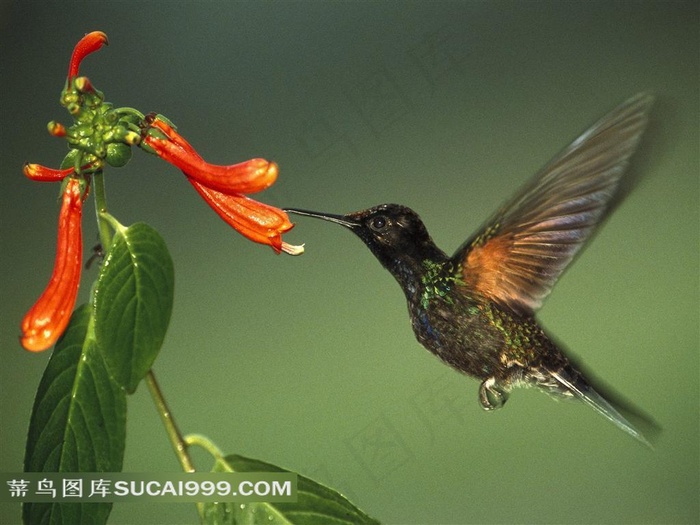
pixel 519 255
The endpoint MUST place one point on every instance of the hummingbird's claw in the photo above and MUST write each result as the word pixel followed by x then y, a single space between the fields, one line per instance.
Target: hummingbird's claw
pixel 492 395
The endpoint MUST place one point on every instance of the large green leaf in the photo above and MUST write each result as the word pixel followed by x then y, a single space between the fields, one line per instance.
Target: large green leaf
pixel 78 422
pixel 315 505
pixel 133 302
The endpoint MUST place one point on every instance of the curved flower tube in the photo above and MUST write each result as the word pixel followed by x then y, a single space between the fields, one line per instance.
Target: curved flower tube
pixel 251 176
pixel 40 173
pixel 88 44
pixel 252 219
pixel 222 187
pixel 48 318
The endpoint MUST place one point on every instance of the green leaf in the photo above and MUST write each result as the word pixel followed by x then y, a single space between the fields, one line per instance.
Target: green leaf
pixel 315 505
pixel 78 422
pixel 133 301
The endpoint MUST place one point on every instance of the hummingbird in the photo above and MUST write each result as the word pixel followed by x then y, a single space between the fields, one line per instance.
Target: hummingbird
pixel 476 309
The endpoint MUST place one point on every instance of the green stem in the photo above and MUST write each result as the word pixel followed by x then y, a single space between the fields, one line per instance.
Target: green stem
pixel 176 440
pixel 98 184
pixel 207 444
pixel 174 434
pixel 129 111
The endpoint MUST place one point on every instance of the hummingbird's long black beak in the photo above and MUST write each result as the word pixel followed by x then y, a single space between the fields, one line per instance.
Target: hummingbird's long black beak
pixel 338 219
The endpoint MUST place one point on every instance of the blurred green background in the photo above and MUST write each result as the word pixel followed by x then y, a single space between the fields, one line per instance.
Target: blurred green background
pixel 310 362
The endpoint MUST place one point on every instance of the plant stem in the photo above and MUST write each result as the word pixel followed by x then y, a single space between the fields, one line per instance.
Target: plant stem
pixel 204 442
pixel 174 434
pixel 98 183
pixel 166 416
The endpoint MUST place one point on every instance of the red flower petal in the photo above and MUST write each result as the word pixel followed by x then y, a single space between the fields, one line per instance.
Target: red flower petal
pixel 48 318
pixel 251 176
pixel 41 173
pixel 257 221
pixel 169 131
pixel 88 44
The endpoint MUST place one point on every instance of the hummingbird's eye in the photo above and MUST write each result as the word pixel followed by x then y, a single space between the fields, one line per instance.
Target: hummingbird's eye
pixel 378 223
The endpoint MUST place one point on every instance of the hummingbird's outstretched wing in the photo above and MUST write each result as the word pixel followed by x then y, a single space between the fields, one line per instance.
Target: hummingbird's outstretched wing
pixel 517 257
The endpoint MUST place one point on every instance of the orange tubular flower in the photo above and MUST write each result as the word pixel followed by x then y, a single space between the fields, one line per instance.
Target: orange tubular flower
pixel 251 176
pixel 223 187
pixel 252 219
pixel 88 44
pixel 48 318
pixel 40 173
pixel 46 321
pixel 246 177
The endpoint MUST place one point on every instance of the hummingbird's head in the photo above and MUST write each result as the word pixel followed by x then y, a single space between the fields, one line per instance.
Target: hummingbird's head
pixel 395 234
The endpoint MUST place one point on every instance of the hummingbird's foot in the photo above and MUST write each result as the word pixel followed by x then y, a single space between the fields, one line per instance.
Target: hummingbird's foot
pixel 492 395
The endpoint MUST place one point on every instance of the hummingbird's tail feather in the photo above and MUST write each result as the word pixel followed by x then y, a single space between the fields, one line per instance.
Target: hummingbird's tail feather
pixel 588 395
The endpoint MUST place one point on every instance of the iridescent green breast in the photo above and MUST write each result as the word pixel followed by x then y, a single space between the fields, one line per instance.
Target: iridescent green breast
pixel 439 281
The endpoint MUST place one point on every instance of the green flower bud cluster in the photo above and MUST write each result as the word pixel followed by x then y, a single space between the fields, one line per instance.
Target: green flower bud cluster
pixel 100 133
